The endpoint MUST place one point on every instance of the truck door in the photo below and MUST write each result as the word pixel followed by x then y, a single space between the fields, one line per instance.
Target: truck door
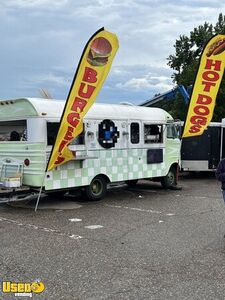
pixel 135 151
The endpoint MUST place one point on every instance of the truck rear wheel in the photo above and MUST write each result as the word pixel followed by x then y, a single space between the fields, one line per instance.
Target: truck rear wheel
pixel 170 180
pixel 97 188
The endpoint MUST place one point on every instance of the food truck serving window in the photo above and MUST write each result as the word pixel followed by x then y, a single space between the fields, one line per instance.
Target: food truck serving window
pixel 134 133
pixel 13 130
pixel 153 133
pixel 52 130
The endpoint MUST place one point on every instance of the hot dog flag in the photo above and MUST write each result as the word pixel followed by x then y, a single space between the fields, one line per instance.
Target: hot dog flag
pixel 92 71
pixel 207 82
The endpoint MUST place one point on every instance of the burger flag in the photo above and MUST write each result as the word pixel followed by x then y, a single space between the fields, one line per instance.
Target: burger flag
pixel 206 87
pixel 92 71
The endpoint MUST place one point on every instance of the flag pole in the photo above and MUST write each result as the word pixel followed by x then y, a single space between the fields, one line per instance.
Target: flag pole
pixel 39 195
pixel 76 107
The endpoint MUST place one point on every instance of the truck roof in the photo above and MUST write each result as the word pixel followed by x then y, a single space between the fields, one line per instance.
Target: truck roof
pixel 52 109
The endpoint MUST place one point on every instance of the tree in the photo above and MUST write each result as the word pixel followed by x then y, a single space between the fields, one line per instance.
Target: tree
pixel 185 65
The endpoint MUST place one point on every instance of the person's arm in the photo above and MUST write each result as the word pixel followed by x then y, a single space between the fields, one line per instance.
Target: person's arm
pixel 220 175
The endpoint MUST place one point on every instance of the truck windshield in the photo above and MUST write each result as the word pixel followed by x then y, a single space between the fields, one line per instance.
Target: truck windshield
pixel 172 131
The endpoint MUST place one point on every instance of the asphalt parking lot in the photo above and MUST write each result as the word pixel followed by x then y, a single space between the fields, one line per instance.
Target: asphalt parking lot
pixel 140 243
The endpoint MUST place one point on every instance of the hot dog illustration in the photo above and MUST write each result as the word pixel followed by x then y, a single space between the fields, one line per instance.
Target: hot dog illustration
pixel 216 48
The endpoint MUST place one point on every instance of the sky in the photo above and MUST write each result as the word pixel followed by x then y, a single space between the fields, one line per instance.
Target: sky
pixel 42 41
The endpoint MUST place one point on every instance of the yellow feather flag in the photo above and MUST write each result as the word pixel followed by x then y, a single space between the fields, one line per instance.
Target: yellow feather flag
pixel 91 73
pixel 207 83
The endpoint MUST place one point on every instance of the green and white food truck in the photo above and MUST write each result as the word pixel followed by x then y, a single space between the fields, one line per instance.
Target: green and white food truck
pixel 118 143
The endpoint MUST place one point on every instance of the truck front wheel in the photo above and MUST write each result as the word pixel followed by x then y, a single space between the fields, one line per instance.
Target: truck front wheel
pixel 170 180
pixel 97 188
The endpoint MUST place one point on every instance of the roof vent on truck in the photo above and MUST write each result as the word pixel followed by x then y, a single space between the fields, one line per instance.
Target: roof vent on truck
pixel 6 102
pixel 126 103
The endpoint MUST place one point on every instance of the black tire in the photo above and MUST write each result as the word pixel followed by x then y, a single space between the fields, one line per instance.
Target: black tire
pixel 97 188
pixel 132 183
pixel 170 180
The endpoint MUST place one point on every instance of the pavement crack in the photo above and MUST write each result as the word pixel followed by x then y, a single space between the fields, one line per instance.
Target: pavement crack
pixel 134 229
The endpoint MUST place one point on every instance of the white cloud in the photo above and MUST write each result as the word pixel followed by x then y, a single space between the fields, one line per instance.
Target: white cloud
pixel 33 3
pixel 160 83
pixel 49 79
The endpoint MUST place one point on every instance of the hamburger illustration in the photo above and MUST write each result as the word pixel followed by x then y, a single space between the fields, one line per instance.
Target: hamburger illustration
pixel 99 53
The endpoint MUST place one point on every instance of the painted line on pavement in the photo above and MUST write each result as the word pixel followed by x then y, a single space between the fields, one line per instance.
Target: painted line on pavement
pixel 135 209
pixel 40 228
pixel 94 226
pixel 75 220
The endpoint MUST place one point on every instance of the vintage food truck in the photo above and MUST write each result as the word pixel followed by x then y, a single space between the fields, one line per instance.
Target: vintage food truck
pixel 118 143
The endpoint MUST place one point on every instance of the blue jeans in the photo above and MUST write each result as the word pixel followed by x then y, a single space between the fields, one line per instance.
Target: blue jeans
pixel 223 192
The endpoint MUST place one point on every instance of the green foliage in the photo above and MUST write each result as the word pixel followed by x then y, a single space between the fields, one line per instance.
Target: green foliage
pixel 185 64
